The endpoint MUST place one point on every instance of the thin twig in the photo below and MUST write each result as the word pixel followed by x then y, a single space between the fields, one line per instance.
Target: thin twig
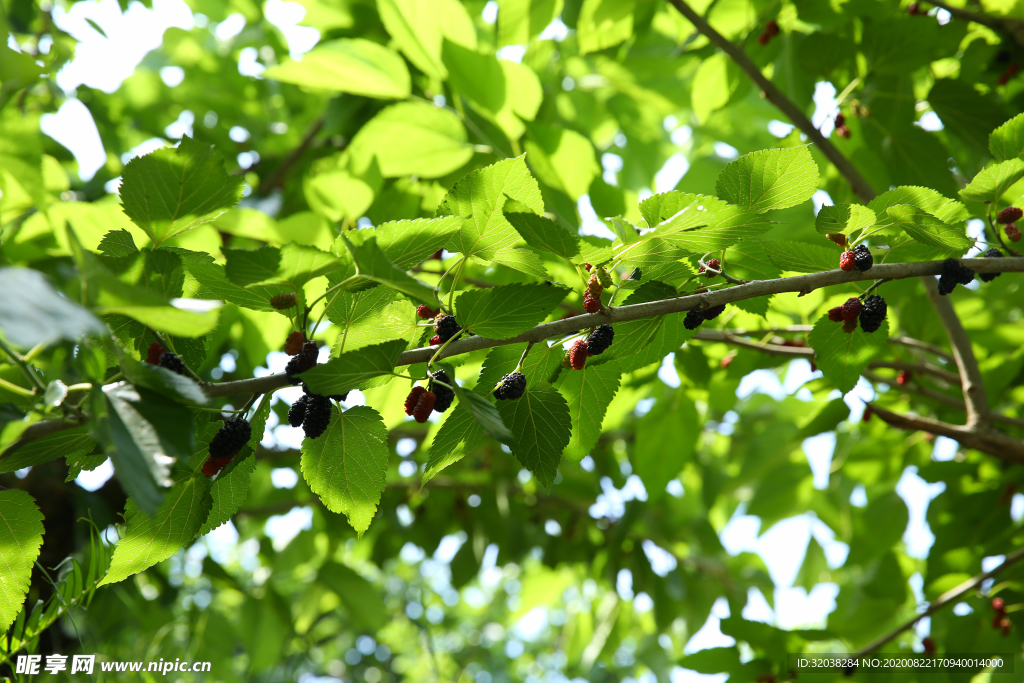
pixel 986 440
pixel 857 183
pixel 949 597
pixel 276 176
pixel 970 374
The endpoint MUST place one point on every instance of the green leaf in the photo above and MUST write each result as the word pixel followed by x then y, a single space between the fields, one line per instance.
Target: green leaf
pixel 588 393
pixel 544 234
pixel 1007 141
pixel 118 243
pixel 349 65
pixel 843 357
pixel 362 599
pixel 562 158
pixel 604 23
pixel 32 312
pixel 372 264
pixel 541 426
pixel 519 258
pixel 371 317
pixel 71 443
pixel 459 434
pixel 674 211
pixel 769 179
pixel 843 219
pixel 479 198
pixel 814 569
pixel 476 75
pixel 419 27
pixel 990 184
pixel 826 419
pixel 505 311
pixel 152 539
pixel 21 535
pixel 433 141
pixel 943 208
pixel 965 112
pixel 725 228
pixel 666 438
pixel 540 366
pixel 713 660
pixel 176 387
pixel 173 190
pixel 927 229
pixel 347 465
pixel 215 284
pixel 520 21
pixel 142 433
pixel 410 242
pixel 250 266
pixel 801 257
pixel 716 80
pixel 484 412
pixel 352 368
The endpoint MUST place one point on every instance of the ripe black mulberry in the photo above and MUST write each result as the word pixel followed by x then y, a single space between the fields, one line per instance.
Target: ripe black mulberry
pixel 953 274
pixel 600 339
pixel 989 277
pixel 304 360
pixel 171 361
pixel 443 396
pixel 862 257
pixel 318 416
pixel 873 313
pixel 693 319
pixel 512 386
pixel 230 439
pixel 297 413
pixel 447 327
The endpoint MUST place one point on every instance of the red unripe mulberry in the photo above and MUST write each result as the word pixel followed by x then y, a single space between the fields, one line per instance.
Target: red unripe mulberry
pixel 852 308
pixel 413 398
pixel 578 354
pixel 423 406
pixel 154 353
pixel 847 261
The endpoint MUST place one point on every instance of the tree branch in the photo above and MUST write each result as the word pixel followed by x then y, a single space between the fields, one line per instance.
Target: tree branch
pixel 949 597
pixel 986 440
pixel 970 375
pixel 276 176
pixel 857 183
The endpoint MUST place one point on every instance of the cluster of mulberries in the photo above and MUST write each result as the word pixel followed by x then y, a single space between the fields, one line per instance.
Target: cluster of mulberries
pixel 284 301
pixel 511 387
pixel 771 29
pixel 989 277
pixel 694 317
pixel 712 266
pixel 860 258
pixel 871 312
pixel 419 403
pixel 953 274
pixel 312 412
pixel 592 296
pixel 303 360
pixel 226 443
